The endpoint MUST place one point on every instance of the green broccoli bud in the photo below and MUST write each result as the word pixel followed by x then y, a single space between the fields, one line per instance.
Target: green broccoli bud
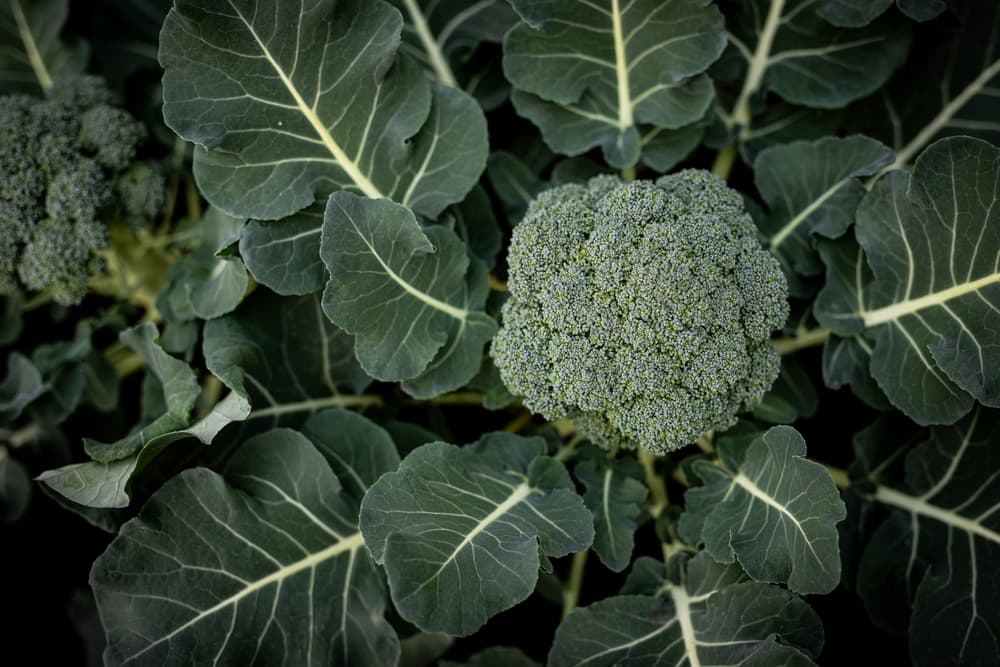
pixel 78 194
pixel 61 257
pixel 641 310
pixel 142 191
pixel 111 135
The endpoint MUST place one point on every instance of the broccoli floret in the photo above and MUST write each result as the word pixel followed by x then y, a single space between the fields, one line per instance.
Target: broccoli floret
pixel 61 257
pixel 112 135
pixel 641 310
pixel 60 158
pixel 142 191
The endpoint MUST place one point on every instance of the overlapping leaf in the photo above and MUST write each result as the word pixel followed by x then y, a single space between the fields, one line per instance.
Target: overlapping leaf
pixel 296 99
pixel 770 509
pixel 788 48
pixel 858 13
pixel 612 74
pixel 263 563
pixel 948 86
pixel 709 620
pixel 463 531
pixel 614 493
pixel 407 294
pixel 931 311
pixel 32 56
pixel 934 551
pixel 812 187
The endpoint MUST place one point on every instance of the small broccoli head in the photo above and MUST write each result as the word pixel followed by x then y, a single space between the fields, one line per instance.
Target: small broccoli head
pixel 142 191
pixel 111 135
pixel 641 310
pixel 60 258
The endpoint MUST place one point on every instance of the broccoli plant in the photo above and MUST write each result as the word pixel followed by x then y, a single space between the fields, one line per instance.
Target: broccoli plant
pixel 501 333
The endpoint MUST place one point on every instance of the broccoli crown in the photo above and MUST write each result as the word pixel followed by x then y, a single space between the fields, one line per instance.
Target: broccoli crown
pixel 59 160
pixel 142 191
pixel 641 310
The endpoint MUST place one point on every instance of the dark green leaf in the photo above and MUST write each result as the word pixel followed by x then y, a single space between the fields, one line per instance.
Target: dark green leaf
pixel 614 494
pixel 32 56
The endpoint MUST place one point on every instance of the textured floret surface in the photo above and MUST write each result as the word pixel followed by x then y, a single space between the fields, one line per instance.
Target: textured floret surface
pixel 642 310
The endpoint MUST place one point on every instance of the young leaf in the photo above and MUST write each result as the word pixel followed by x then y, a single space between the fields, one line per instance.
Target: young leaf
pixel 615 494
pixel 812 187
pixel 772 510
pixel 935 549
pixel 930 310
pixel 21 386
pixel 402 292
pixel 284 358
pixel 473 221
pixel 604 73
pixel 462 531
pixel 263 563
pixel 285 255
pixel 312 101
pixel 32 57
pixel 706 621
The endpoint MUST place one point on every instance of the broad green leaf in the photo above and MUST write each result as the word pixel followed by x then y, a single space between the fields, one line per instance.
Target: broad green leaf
pixel 935 550
pixel 284 358
pixel 606 73
pixel 32 56
pixel 443 37
pixel 262 564
pixel 180 390
pixel 791 396
pixel 858 13
pixel 783 123
pixel 285 255
pixel 707 621
pixel 845 362
pixel 931 310
pixel 786 47
pixel 203 285
pixel 771 509
pixel 462 531
pixel 473 221
pixel 614 494
pixel 405 293
pixel 948 86
pixel 812 187
pixel 21 386
pixel 288 104
pixel 514 182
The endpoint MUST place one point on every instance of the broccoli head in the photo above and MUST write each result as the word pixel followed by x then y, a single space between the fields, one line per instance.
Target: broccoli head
pixel 61 256
pixel 142 191
pixel 641 310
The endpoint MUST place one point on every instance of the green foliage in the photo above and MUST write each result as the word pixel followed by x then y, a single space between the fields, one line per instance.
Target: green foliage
pixel 643 311
pixel 601 241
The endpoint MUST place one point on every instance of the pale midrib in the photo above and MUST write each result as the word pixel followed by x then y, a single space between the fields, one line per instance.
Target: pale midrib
pixel 457 313
pixel 801 217
pixel 30 46
pixel 607 509
pixel 887 496
pixel 758 65
pixel 346 163
pixel 339 401
pixel 441 68
pixel 625 115
pixel 349 543
pixel 873 318
pixel 682 604
pixel 521 491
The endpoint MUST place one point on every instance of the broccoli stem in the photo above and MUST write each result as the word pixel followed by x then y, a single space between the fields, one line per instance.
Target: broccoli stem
pixel 496 284
pixel 657 487
pixel 839 475
pixel 21 436
pixel 519 422
pixel 338 401
pixel 210 395
pixel 571 596
pixel 568 451
pixel 454 398
pixel 803 338
pixel 628 174
pixel 724 161
pixel 123 359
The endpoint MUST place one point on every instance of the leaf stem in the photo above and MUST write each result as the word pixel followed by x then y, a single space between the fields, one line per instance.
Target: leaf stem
pixel 518 422
pixel 724 161
pixel 628 174
pixel 340 401
pixel 123 359
pixel 801 340
pixel 571 596
pixel 568 451
pixel 454 398
pixel 21 436
pixel 839 475
pixel 496 284
pixel 657 487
